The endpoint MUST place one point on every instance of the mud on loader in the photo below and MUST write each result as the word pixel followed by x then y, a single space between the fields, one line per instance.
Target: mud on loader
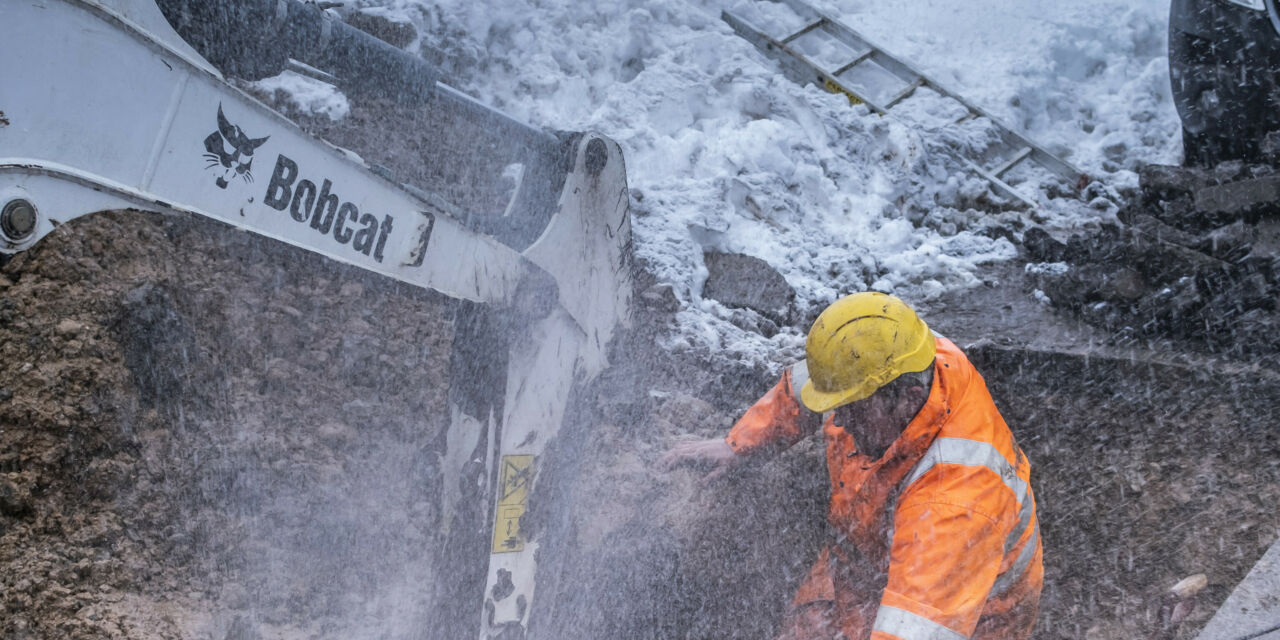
pixel 128 104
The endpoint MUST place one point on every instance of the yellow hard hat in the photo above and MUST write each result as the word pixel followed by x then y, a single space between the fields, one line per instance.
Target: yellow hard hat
pixel 859 344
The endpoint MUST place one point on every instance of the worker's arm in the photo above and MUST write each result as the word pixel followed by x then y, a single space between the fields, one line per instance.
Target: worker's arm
pixel 777 420
pixel 944 559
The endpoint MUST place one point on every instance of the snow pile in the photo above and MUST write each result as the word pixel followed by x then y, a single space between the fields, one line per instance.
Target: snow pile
pixel 308 95
pixel 726 154
pixel 1088 80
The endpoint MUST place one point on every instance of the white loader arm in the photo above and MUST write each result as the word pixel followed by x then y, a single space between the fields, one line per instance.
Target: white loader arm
pixel 100 115
pixel 104 106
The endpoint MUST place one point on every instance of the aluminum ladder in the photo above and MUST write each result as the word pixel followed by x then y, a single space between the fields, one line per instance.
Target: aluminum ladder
pixel 867 63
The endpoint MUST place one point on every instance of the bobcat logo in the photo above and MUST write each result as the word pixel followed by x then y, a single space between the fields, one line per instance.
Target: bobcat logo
pixel 231 149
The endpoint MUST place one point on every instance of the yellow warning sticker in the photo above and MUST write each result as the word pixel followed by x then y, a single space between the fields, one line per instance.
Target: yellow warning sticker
pixel 513 499
pixel 831 86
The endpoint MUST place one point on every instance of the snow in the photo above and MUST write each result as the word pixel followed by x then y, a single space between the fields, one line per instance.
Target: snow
pixel 724 153
pixel 310 96
pixel 1089 80
pixel 1047 268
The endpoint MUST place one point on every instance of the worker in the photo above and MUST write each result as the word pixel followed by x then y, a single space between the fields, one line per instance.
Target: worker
pixel 934 521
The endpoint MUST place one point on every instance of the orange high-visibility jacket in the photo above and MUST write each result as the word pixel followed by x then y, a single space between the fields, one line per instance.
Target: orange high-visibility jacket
pixel 936 539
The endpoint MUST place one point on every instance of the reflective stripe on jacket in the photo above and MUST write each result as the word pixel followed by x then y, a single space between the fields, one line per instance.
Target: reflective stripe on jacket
pixel 936 539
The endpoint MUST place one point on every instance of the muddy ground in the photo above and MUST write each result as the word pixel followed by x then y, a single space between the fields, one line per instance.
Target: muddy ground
pixel 208 435
pixel 205 434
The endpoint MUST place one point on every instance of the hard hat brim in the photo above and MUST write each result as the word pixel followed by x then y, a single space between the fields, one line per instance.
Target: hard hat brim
pixel 822 402
pixel 819 401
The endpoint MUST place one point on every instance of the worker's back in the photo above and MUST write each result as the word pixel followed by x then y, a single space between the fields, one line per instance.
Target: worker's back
pixel 966 502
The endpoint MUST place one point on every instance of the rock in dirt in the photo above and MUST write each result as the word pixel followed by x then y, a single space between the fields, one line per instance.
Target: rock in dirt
pixel 1238 198
pixel 747 282
pixel 1197 199
pixel 159 344
pixel 1043 247
pixel 660 297
pixel 1229 244
pixel 1176 269
pixel 68 328
pixel 1165 182
pixel 15 501
pixel 753 322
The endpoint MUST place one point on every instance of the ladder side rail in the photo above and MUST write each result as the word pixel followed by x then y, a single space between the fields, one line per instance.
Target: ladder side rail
pixel 1067 171
pixel 795 66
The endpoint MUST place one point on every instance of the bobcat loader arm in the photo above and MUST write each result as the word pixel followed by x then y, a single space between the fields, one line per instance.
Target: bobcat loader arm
pixel 103 105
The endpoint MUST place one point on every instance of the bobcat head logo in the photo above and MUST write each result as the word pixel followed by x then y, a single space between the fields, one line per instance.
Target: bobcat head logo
pixel 230 151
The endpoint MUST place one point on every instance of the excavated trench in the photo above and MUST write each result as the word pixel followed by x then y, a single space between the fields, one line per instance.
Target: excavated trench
pixel 205 434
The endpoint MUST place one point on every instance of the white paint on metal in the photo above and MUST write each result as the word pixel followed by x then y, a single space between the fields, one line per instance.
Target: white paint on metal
pixel 145 17
pixel 460 453
pixel 539 380
pixel 586 248
pixel 162 135
pixel 122 109
pixel 65 200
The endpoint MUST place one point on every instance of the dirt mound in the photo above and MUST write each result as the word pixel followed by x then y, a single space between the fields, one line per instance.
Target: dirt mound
pixel 1195 260
pixel 205 434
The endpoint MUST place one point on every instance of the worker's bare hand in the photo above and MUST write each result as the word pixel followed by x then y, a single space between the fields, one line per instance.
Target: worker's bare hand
pixel 714 453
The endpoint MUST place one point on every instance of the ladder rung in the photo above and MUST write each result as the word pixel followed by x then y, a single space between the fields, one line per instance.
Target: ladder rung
pixel 907 91
pixel 855 62
pixel 807 28
pixel 996 182
pixel 1021 155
